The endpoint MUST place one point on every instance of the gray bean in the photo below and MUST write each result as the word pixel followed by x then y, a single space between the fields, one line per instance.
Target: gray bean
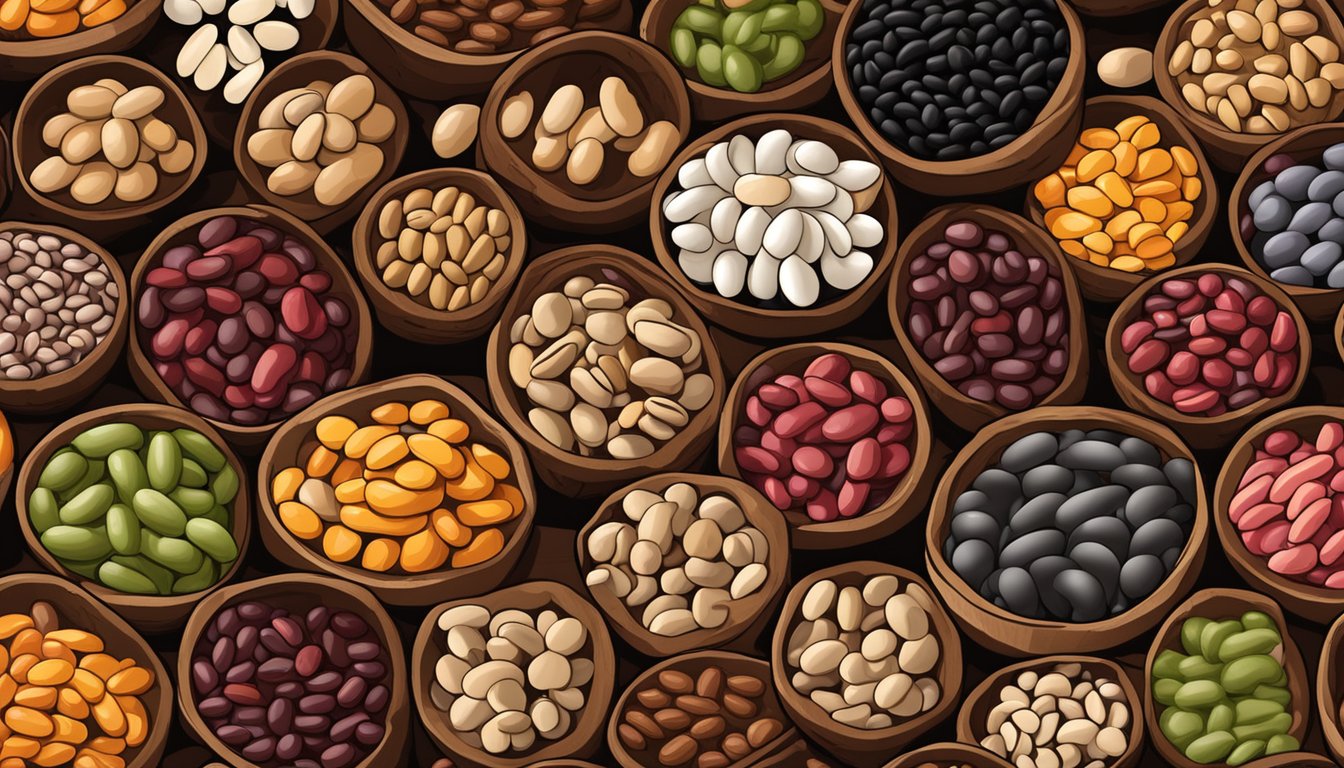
pixel 1018 590
pixel 973 560
pixel 1155 537
pixel 1097 502
pixel 1033 546
pixel 1140 451
pixel 1325 187
pixel 1100 562
pixel 1092 454
pixel 1029 451
pixel 1293 182
pixel 1050 478
pixel 974 524
pixel 1040 512
pixel 1084 594
pixel 1320 258
pixel 1149 503
pixel 1140 575
pixel 1273 214
pixel 1285 248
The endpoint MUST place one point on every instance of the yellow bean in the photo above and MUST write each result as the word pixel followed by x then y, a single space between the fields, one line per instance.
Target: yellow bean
pixel 380 555
pixel 341 544
pixel 450 529
pixel 392 414
pixel 300 520
pixel 436 452
pixel 388 498
pixel 428 411
pixel 415 475
pixel 364 438
pixel 484 547
pixel 285 484
pixel 497 466
pixel 422 552
pixel 365 520
pixel 321 461
pixel 333 431
pixel 449 430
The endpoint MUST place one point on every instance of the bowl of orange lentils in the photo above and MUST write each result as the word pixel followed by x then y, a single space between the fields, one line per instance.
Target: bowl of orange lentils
pixel 38 35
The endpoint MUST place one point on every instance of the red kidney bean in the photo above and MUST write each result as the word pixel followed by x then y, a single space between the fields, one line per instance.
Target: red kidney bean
pixel 988 318
pixel 1211 345
pixel 227 320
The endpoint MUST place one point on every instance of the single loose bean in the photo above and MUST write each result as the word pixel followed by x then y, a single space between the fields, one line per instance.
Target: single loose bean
pixel 1059 716
pixel 744 45
pixel 1126 67
pixel 1074 526
pixel 1290 223
pixel 1224 697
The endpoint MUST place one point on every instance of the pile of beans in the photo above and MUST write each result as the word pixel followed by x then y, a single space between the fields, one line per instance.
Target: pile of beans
pixel 743 44
pixel 1074 526
pixel 242 324
pixel 1286 501
pixel 955 79
pixel 441 246
pixel 512 676
pixel 1122 200
pixel 835 441
pixel 714 719
pixel 1066 716
pixel 284 689
pixel 606 377
pixel 990 319
pixel 248 34
pixel 1291 221
pixel 484 27
pixel 56 20
pixel 679 557
pixel 1257 68
pixel 406 487
pixel 867 655
pixel 146 512
pixel 57 303
pixel 68 701
pixel 780 217
pixel 567 135
pixel 1226 699
pixel 1209 345
pixel 108 143
pixel 323 138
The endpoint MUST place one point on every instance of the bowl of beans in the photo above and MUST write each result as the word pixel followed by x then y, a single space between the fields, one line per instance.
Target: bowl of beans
pixel 902 80
pixel 96 179
pixel 679 562
pixel 32 44
pixel 98 652
pixel 1282 221
pixel 1207 348
pixel 1134 197
pixel 295 669
pixel 989 314
pixel 1225 72
pixel 580 128
pixel 949 755
pixel 445 504
pixel 903 679
pixel 1066 529
pixel 590 414
pixel 1069 709
pixel 703 708
pixel 552 671
pixel 1224 682
pixel 778 225
pixel 42 371
pixel 246 316
pixel 735 65
pixel 438 252
pixel 445 50
pixel 1279 535
pixel 319 135
pixel 834 436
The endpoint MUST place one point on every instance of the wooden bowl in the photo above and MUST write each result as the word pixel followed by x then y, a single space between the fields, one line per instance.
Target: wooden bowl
pixel 856 745
pixel 27 59
pixel 1227 149
pixel 971 718
pixel 801 88
pixel 298 592
pixel 748 318
pixel 427 71
pixel 77 610
pixel 1319 604
pixel 150 613
pixel 948 754
pixel 1200 431
pixel 1111 285
pixel 907 497
pixel 1112 8
pixel 1225 604
pixel 249 439
pixel 6 167
pixel 747 618
pixel 965 412
pixel 413 318
pixel 59 391
pixel 1329 693
pixel 46 99
pixel 298 72
pixel 1293 760
pixel 570 473
pixel 1038 151
pixel 586 731
pixel 799 754
pixel 693 664
pixel 1005 632
pixel 615 199
pixel 1305 144
pixel 395 587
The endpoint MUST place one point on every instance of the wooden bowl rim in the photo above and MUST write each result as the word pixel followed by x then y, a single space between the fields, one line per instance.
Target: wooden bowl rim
pixel 1328 688
pixel 949 750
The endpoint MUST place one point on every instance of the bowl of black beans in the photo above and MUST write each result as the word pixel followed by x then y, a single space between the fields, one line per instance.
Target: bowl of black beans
pixel 962 96
pixel 1066 529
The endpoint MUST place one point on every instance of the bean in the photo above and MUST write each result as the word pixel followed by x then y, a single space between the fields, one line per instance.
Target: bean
pixel 123 530
pixel 62 472
pixel 75 543
pixel 124 579
pixel 163 463
pixel 99 442
pixel 88 505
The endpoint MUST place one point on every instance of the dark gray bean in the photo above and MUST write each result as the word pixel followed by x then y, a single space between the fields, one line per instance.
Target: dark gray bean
pixel 1019 593
pixel 1149 503
pixel 1156 536
pixel 1084 594
pixel 1135 476
pixel 1110 532
pixel 1293 182
pixel 975 524
pixel 1050 478
pixel 1140 451
pixel 1037 513
pixel 1024 550
pixel 1095 455
pixel 973 560
pixel 1097 502
pixel 1100 562
pixel 1181 474
pixel 1028 452
pixel 1140 575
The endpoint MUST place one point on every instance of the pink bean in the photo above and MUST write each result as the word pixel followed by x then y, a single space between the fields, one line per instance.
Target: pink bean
pixel 1293 561
pixel 1309 521
pixel 1297 474
pixel 1249 495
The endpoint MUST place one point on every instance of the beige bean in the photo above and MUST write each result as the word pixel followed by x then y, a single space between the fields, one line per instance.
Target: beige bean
pixel 562 109
pixel 620 109
pixel 136 183
pixel 654 150
pixel 179 158
pixel 455 130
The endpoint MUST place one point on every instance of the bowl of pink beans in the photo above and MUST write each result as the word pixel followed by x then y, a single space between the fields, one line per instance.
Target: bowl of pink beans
pixel 1207 349
pixel 1279 509
pixel 834 436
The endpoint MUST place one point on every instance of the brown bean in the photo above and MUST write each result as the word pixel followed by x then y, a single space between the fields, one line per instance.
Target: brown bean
pixel 506 12
pixel 645 725
pixel 631 738
pixel 672 719
pixel 489 32
pixel 677 751
pixel 653 698
pixel 403 11
pixel 550 33
pixel 708 727
pixel 739 706
pixel 430 34
pixel 443 20
pixel 746 685
pixel 539 19
pixel 710 683
pixel 736 746
pixel 697 705
pixel 713 759
pixel 673 681
pixel 762 731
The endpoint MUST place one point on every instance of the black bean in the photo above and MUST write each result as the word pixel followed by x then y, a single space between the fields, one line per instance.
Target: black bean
pixel 1156 536
pixel 1037 513
pixel 1140 575
pixel 1028 452
pixel 1149 503
pixel 1019 592
pixel 1097 502
pixel 1083 592
pixel 1024 550
pixel 1099 561
pixel 1096 455
pixel 1049 478
pixel 974 524
pixel 973 560
pixel 1110 532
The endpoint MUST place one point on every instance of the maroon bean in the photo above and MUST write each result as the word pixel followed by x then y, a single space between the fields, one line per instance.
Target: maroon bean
pixel 377 699
pixel 367 651
pixel 344 729
pixel 317 704
pixel 288 747
pixel 290 689
pixel 369 669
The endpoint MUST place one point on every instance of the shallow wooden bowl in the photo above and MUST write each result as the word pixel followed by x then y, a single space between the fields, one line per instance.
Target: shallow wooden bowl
pixel 24 59
pixel 1330 691
pixel 948 754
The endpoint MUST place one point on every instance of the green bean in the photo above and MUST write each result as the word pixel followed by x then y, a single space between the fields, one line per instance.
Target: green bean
pixel 811 18
pixel 701 20
pixel 164 462
pixel 100 441
pixel 127 472
pixel 742 72
pixel 683 47
pixel 787 58
pixel 63 470
pixel 43 510
pixel 709 64
pixel 780 18
pixel 748 31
